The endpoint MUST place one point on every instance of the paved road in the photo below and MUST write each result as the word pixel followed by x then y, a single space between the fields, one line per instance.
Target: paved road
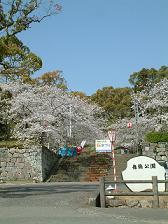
pixel 66 203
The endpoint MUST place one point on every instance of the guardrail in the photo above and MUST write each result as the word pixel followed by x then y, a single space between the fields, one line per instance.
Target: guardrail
pixel 155 193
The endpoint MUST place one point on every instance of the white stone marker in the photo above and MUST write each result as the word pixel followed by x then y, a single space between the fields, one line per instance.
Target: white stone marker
pixel 143 168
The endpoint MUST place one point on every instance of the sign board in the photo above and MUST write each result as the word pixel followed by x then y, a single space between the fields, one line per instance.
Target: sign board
pixel 143 168
pixel 83 143
pixel 103 145
pixel 129 125
pixel 112 135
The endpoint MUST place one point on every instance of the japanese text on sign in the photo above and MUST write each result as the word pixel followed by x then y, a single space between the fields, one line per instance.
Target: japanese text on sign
pixel 145 166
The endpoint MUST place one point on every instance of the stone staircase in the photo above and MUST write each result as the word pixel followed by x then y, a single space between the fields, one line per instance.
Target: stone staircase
pixel 88 168
pixel 100 166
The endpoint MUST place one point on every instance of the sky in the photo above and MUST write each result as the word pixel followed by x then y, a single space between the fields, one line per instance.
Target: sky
pixel 98 43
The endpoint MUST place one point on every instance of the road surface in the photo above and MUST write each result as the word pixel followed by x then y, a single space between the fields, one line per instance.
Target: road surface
pixel 66 203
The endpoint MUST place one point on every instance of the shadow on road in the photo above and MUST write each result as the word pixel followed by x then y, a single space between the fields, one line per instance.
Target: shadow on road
pixel 26 191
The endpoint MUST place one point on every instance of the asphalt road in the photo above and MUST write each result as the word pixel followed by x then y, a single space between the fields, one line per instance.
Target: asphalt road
pixel 66 203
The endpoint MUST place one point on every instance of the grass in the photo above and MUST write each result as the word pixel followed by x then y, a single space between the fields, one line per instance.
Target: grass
pixel 10 144
pixel 18 182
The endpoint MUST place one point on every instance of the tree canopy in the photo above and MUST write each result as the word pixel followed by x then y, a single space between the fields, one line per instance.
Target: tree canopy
pixel 115 102
pixel 16 59
pixel 53 78
pixel 45 110
pixel 147 77
pixel 18 15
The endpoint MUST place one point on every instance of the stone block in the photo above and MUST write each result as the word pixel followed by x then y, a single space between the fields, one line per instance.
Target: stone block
pixel 153 145
pixel 133 203
pixel 162 145
pixel 19 160
pixel 161 153
pixel 3 164
pixel 12 151
pixel 20 165
pixel 15 155
pixel 116 202
pixel 158 157
pixel 26 154
pixel 164 158
pixel 13 160
pixel 146 204
pixel 9 169
pixel 22 151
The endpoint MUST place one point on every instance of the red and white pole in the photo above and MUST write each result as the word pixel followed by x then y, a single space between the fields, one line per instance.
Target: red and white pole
pixel 112 137
pixel 114 164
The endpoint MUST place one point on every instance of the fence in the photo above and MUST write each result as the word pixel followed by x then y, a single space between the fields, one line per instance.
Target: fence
pixel 155 193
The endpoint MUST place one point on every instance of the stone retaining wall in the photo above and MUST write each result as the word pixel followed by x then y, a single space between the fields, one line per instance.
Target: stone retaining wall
pixel 157 151
pixel 135 202
pixel 26 164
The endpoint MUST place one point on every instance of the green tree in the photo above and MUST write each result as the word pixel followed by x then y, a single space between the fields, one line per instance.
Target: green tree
pixel 16 60
pixel 18 15
pixel 147 77
pixel 115 102
pixel 79 94
pixel 53 78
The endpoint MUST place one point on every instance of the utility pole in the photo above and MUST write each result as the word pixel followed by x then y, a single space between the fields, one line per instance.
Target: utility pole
pixel 70 121
pixel 136 110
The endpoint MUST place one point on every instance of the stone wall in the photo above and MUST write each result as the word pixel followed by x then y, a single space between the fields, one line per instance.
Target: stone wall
pixel 49 159
pixel 135 201
pixel 157 151
pixel 26 164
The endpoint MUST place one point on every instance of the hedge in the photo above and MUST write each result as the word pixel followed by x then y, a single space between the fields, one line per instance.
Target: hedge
pixel 155 137
pixel 10 144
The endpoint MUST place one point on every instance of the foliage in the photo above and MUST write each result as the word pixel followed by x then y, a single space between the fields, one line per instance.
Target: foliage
pixel 115 102
pixel 53 79
pixel 18 15
pixel 155 137
pixel 11 144
pixel 147 77
pixel 42 114
pixel 79 94
pixel 16 60
pixel 154 110
pixel 154 103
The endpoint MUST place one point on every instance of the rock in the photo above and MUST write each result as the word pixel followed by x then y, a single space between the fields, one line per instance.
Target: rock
pixel 165 204
pixel 116 203
pixel 12 151
pixel 158 158
pixel 146 204
pixel 133 203
pixel 161 153
pixel 3 164
pixel 164 158
pixel 20 165
pixel 19 160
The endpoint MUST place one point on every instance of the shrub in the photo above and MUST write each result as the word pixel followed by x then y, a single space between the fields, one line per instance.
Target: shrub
pixel 155 137
pixel 11 144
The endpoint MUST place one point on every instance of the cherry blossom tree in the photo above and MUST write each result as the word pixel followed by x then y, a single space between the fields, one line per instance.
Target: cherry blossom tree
pixel 152 114
pixel 42 113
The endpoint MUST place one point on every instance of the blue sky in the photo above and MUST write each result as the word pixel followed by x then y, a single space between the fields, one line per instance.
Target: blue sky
pixel 98 43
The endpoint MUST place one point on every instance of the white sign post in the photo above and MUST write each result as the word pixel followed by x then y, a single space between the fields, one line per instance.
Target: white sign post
pixel 112 135
pixel 143 168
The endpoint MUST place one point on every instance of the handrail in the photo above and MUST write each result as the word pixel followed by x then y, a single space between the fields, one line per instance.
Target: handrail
pixel 155 193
